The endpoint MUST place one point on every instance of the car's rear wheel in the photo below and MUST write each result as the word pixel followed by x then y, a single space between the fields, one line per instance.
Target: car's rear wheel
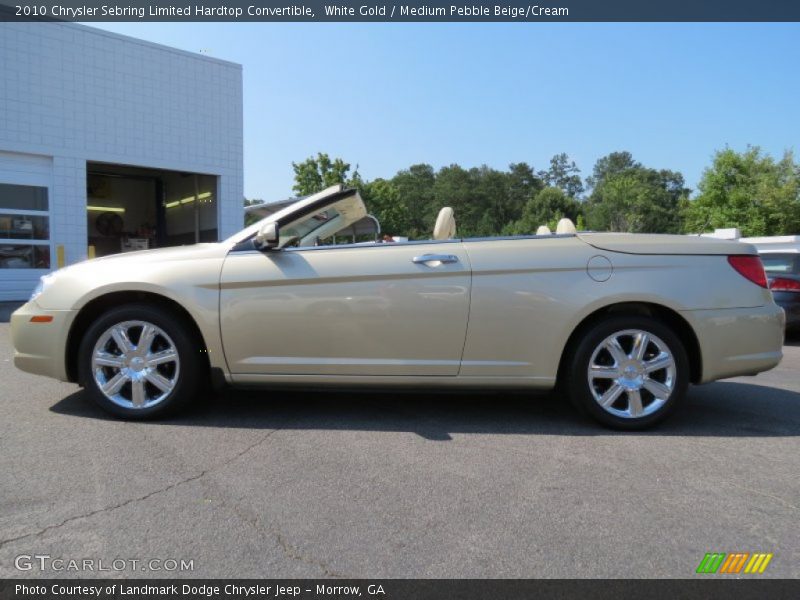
pixel 628 372
pixel 139 361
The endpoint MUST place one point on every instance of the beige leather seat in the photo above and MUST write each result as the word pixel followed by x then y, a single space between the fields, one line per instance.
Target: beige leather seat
pixel 543 230
pixel 445 228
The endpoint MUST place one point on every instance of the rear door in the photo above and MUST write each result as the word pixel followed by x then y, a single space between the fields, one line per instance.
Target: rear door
pixel 381 309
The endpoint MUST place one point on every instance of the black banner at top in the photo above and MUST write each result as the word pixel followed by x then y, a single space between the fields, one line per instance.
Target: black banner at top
pixel 534 11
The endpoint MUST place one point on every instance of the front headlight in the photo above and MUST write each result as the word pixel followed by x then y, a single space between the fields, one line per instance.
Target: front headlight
pixel 44 281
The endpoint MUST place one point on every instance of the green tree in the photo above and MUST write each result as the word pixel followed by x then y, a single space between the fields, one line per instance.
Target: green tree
pixel 415 190
pixel 637 200
pixel 383 200
pixel 749 190
pixel 523 184
pixel 611 164
pixel 563 174
pixel 627 196
pixel 491 205
pixel 546 208
pixel 455 187
pixel 315 174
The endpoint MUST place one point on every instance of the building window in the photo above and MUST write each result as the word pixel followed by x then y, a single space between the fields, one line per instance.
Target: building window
pixel 24 227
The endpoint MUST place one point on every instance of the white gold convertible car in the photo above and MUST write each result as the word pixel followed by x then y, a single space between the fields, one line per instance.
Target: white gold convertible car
pixel 622 322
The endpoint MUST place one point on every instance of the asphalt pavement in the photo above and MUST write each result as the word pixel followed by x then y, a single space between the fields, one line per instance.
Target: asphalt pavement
pixel 379 485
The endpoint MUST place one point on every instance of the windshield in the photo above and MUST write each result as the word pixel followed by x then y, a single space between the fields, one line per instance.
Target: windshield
pixel 303 228
pixel 320 215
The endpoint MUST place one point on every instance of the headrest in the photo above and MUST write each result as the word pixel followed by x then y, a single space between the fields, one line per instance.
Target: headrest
pixel 566 226
pixel 445 228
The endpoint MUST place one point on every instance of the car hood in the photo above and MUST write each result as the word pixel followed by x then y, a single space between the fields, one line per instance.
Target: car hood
pixel 174 253
pixel 656 243
pixel 162 270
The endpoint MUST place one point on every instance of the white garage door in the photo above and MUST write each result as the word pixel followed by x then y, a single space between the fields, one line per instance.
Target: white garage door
pixel 26 251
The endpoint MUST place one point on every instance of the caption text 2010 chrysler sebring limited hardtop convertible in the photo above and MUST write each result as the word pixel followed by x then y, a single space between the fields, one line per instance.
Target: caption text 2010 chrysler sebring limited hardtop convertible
pixel 624 322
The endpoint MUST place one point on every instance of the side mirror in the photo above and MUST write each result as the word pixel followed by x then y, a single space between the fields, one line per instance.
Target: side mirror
pixel 268 236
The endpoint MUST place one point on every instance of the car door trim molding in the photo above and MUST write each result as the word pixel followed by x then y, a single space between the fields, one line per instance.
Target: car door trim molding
pixel 328 280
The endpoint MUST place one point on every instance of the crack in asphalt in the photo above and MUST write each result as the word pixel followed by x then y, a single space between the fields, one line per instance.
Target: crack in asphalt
pixel 776 498
pixel 129 501
pixel 292 552
pixel 287 548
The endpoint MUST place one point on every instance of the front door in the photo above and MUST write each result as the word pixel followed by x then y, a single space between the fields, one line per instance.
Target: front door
pixel 382 309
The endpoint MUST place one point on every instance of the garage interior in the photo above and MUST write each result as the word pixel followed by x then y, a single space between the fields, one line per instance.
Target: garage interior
pixel 133 208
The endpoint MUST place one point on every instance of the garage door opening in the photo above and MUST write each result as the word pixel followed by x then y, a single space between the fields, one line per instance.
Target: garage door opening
pixel 131 208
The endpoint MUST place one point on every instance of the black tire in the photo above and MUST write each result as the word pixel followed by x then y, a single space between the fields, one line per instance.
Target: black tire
pixel 584 393
pixel 184 374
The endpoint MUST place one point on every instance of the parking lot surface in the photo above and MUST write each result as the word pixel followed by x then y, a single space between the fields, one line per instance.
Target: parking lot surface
pixel 276 484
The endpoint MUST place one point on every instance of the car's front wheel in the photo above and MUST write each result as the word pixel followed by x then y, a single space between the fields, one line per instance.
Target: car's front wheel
pixel 139 361
pixel 628 372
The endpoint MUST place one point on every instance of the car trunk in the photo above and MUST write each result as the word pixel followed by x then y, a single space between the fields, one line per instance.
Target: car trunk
pixel 653 243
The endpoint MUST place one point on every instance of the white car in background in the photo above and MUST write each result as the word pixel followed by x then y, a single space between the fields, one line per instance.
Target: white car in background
pixel 625 322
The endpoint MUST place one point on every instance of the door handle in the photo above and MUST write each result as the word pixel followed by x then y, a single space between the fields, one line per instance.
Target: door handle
pixel 429 258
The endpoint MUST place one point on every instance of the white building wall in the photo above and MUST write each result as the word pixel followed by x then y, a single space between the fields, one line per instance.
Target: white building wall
pixel 71 94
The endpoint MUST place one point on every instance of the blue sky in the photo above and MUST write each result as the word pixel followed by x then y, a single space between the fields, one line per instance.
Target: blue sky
pixel 387 95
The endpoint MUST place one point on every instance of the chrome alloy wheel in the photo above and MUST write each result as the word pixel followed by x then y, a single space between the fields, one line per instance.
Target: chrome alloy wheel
pixel 135 364
pixel 631 374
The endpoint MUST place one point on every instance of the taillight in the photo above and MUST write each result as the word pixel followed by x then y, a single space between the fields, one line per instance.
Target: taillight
pixel 749 267
pixel 780 284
